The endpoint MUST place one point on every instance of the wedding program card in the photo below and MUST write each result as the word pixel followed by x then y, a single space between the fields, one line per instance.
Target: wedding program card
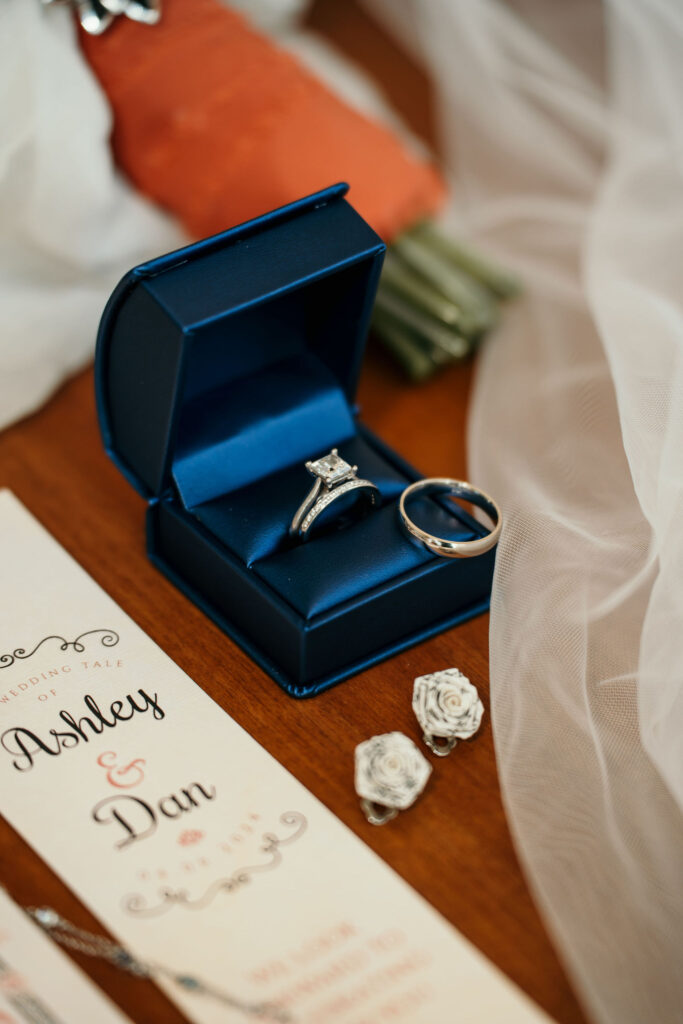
pixel 38 983
pixel 187 839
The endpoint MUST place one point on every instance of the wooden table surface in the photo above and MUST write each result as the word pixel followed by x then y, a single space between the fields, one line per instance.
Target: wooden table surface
pixel 453 846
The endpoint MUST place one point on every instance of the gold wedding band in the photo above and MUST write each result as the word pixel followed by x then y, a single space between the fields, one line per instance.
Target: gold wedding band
pixel 457 489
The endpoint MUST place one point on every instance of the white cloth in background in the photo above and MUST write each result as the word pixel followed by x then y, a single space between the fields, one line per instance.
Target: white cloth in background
pixel 563 131
pixel 69 227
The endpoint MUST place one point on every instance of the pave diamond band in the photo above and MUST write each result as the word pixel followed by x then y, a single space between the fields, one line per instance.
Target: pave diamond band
pixel 333 478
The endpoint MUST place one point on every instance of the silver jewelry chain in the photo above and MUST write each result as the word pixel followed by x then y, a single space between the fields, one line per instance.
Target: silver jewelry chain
pixel 68 934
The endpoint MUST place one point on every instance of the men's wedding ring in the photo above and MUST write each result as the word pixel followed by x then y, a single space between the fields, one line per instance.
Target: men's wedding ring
pixel 333 478
pixel 457 489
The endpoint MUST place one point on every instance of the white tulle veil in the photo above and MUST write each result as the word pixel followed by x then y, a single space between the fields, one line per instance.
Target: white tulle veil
pixel 563 129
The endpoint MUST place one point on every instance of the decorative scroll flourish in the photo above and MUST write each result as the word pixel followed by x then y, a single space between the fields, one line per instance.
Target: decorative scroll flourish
pixel 108 638
pixel 138 906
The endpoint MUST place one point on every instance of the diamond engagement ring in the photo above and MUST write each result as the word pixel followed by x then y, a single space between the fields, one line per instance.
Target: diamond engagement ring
pixel 333 478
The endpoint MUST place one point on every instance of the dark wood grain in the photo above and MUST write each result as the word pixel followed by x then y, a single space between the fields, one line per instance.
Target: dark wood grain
pixel 454 846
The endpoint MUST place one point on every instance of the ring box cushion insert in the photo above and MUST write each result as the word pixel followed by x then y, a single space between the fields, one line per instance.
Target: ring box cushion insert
pixel 221 369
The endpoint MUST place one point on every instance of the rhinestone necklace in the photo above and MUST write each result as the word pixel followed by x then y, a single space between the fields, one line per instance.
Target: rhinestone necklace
pixel 68 934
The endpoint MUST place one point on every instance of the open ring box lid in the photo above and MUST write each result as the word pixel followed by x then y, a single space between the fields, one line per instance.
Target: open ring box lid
pixel 221 368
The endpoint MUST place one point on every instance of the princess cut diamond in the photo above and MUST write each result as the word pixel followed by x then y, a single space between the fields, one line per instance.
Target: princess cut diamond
pixel 330 468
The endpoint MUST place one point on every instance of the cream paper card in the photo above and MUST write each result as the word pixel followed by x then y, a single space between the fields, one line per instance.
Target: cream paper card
pixel 188 840
pixel 38 983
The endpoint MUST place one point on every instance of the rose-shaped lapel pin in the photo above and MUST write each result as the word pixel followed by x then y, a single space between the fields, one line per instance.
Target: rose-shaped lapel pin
pixel 447 706
pixel 390 775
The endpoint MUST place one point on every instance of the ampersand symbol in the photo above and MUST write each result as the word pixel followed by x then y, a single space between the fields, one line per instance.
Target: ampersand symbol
pixel 116 775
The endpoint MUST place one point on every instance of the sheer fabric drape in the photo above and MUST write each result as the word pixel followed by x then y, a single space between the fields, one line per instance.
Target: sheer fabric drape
pixel 563 131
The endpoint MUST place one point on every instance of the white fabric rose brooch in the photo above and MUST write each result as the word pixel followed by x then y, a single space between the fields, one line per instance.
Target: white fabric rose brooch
pixel 390 770
pixel 390 775
pixel 447 706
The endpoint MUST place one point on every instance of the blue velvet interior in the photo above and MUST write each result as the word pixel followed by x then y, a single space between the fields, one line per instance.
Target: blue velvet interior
pixel 323 313
pixel 263 385
pixel 234 435
pixel 253 520
pixel 342 561
pixel 333 567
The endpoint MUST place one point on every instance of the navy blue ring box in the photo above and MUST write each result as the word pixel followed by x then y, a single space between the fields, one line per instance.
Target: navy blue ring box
pixel 221 368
